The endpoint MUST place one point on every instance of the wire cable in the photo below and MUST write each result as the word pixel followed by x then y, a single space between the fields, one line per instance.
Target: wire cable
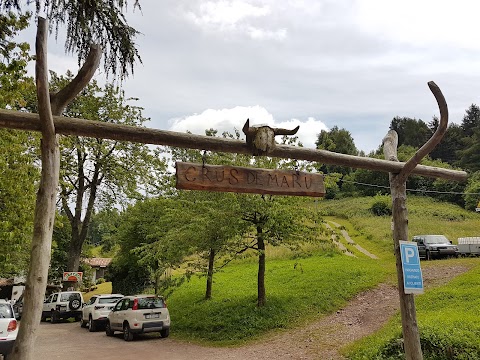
pixel 413 190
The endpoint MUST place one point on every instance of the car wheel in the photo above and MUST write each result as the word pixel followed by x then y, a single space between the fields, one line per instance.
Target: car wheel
pixel 53 317
pixel 164 333
pixel 83 324
pixel 108 329
pixel 75 304
pixel 127 334
pixel 91 324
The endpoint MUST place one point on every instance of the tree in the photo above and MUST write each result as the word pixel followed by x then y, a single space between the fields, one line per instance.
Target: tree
pixel 60 242
pixel 336 140
pixel 144 253
pixel 99 22
pixel 211 222
pixel 471 120
pixel 98 172
pixel 104 19
pixel 448 149
pixel 212 226
pixel 472 191
pixel 275 220
pixel 18 175
pixel 411 132
pixel 469 152
pixel 470 155
pixel 16 88
pixel 18 171
pixel 103 228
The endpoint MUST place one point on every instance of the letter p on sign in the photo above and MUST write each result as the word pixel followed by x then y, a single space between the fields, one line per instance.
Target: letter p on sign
pixel 409 254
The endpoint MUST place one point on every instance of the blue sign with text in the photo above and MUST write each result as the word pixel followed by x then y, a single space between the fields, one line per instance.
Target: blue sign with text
pixel 412 273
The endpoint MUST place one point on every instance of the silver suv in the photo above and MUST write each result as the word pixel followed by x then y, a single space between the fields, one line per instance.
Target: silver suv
pixel 435 246
pixel 63 305
pixel 139 314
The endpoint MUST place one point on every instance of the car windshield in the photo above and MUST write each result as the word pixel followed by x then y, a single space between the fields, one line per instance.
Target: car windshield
pixel 150 303
pixel 5 311
pixel 109 300
pixel 436 239
pixel 69 296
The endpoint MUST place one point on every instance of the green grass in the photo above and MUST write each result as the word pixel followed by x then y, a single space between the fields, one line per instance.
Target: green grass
pixel 320 281
pixel 298 290
pixel 447 319
pixel 104 288
pixel 425 216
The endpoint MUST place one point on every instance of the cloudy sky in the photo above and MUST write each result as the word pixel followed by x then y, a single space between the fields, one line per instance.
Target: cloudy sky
pixel 354 64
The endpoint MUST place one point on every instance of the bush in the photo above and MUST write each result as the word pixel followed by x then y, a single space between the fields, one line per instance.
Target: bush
pixel 473 188
pixel 100 281
pixel 381 206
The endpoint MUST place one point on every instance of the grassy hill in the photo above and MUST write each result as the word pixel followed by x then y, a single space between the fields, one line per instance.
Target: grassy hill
pixel 305 285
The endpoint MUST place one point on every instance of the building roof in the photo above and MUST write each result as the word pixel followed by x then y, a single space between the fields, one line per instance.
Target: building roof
pixel 98 262
pixel 6 282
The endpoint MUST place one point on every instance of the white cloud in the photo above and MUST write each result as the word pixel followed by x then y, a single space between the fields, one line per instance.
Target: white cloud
pixel 235 17
pixel 421 23
pixel 260 34
pixel 227 14
pixel 234 118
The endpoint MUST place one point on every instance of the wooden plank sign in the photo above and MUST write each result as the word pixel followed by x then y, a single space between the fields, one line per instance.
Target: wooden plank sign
pixel 225 178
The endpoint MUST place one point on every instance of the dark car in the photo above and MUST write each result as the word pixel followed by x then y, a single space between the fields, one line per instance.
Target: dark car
pixel 435 246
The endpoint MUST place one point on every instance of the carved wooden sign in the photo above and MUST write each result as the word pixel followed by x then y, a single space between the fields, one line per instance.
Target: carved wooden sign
pixel 225 178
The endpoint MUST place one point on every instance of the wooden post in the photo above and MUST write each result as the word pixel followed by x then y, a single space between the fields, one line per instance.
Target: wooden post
pixel 411 336
pixel 398 181
pixel 45 206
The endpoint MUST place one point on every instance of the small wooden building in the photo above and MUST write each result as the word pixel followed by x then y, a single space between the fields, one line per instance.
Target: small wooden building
pixel 99 265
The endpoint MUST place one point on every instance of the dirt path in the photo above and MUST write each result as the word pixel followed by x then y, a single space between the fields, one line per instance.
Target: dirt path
pixel 350 241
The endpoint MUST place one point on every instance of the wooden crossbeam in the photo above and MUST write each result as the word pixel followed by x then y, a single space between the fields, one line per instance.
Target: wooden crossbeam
pixel 81 127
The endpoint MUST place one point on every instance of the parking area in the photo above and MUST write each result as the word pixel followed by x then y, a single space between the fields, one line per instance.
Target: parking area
pixel 67 340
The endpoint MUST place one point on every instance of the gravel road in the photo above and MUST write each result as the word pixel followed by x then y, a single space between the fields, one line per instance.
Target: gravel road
pixel 321 339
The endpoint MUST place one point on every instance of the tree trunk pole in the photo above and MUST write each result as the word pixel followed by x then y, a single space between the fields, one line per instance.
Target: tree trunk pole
pixel 261 292
pixel 44 216
pixel 398 180
pixel 398 188
pixel 411 335
pixel 211 263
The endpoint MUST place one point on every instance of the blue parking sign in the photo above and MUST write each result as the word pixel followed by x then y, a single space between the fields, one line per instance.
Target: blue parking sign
pixel 412 273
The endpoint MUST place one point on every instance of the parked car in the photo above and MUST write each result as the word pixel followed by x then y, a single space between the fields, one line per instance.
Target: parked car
pixel 18 308
pixel 8 328
pixel 435 246
pixel 63 305
pixel 96 310
pixel 139 314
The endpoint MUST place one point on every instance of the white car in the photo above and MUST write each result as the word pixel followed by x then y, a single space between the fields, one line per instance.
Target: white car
pixel 96 310
pixel 8 328
pixel 139 314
